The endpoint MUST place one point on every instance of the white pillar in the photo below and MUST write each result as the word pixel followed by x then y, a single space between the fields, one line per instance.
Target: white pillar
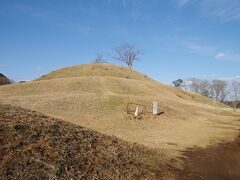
pixel 155 108
pixel 136 111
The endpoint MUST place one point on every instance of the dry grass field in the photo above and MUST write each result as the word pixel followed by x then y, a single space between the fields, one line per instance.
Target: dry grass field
pixel 95 96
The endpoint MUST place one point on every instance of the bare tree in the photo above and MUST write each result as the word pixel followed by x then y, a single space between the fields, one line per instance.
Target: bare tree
pixel 205 87
pixel 200 86
pixel 127 54
pixel 219 90
pixel 236 92
pixel 194 85
pixel 99 59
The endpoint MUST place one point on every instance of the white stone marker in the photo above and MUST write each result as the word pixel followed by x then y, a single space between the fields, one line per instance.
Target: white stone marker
pixel 136 112
pixel 155 108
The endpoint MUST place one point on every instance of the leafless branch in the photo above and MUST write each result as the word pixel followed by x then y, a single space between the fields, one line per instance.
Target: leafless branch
pixel 127 54
pixel 99 59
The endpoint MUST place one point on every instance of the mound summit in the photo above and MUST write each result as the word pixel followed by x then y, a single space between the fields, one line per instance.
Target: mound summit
pixel 97 70
pixel 95 96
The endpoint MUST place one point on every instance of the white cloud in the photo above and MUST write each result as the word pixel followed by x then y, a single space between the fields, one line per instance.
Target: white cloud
pixel 195 46
pixel 220 55
pixel 134 7
pixel 2 65
pixel 198 47
pixel 229 56
pixel 224 10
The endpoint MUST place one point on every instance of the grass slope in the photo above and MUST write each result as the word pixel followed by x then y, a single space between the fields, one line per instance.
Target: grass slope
pixel 34 146
pixel 95 96
pixel 95 70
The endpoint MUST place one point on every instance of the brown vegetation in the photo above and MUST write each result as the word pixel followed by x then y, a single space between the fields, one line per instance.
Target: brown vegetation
pixel 4 80
pixel 34 146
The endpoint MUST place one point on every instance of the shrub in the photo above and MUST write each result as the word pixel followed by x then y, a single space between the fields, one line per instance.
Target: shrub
pixel 4 80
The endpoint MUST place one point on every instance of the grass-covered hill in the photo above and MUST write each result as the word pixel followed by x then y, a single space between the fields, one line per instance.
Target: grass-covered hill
pixel 95 96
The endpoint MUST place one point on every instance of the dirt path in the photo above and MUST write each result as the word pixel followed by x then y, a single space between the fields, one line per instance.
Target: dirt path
pixel 216 162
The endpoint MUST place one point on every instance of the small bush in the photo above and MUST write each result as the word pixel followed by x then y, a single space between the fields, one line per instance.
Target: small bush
pixel 21 128
pixel 238 105
pixel 59 168
pixel 4 80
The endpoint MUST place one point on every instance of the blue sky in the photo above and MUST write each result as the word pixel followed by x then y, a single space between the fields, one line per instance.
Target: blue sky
pixel 179 38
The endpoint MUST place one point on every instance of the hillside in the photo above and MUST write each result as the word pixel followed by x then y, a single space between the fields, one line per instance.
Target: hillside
pixel 34 146
pixel 95 96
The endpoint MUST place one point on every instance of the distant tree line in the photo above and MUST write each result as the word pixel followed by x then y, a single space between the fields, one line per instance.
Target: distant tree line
pixel 218 90
pixel 215 89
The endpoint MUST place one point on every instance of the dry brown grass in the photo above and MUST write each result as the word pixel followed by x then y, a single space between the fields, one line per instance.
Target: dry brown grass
pixel 35 146
pixel 95 70
pixel 95 96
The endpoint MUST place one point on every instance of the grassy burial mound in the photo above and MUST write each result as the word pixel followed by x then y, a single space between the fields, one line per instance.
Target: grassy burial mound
pixel 34 146
pixel 95 96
